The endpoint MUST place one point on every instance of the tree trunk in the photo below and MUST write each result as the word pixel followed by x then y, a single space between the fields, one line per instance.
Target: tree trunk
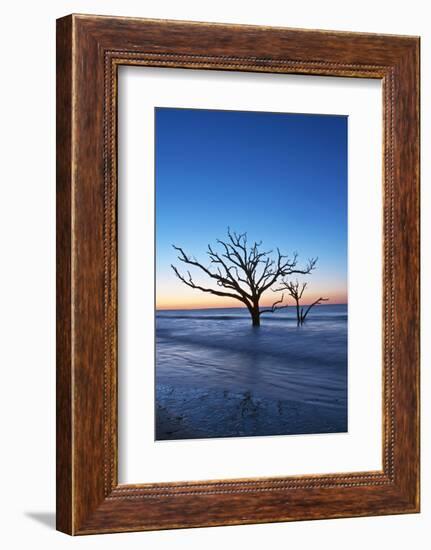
pixel 298 317
pixel 255 316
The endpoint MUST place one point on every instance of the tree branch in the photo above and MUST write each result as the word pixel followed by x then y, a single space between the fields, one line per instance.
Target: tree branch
pixel 273 307
pixel 318 301
pixel 191 284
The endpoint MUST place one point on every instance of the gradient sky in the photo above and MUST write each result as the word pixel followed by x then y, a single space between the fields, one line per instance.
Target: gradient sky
pixel 280 177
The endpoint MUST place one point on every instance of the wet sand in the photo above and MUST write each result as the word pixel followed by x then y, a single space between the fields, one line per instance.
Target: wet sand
pixel 193 414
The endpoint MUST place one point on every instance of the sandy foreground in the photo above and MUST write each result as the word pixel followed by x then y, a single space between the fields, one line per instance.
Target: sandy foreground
pixel 192 413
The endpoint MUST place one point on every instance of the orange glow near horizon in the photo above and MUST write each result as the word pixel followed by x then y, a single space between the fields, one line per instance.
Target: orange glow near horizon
pixel 182 301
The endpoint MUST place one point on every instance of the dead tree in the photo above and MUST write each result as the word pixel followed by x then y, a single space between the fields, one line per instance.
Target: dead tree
pixel 242 272
pixel 296 290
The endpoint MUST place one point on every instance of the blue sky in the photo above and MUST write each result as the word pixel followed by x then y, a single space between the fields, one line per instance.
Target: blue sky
pixel 280 177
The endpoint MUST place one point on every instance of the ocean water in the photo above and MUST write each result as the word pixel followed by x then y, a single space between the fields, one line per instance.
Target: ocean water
pixel 217 376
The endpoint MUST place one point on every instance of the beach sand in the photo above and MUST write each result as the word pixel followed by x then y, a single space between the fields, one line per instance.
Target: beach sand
pixel 193 413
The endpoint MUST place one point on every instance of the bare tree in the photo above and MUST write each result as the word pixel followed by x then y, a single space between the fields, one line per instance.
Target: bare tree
pixel 296 290
pixel 242 272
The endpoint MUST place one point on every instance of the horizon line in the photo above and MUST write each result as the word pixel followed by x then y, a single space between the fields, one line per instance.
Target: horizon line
pixel 242 307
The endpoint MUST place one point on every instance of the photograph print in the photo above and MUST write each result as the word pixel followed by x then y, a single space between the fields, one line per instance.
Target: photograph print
pixel 251 274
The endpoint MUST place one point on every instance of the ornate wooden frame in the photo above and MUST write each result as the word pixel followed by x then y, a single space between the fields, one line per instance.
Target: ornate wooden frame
pixel 89 51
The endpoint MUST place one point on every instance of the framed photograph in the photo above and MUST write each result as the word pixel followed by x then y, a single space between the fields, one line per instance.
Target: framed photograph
pixel 237 274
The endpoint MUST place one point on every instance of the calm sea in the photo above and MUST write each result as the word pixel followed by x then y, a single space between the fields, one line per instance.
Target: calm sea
pixel 219 349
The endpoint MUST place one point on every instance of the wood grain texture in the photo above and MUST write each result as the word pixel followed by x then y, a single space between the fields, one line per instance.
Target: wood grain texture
pixel 90 49
pixel 64 496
